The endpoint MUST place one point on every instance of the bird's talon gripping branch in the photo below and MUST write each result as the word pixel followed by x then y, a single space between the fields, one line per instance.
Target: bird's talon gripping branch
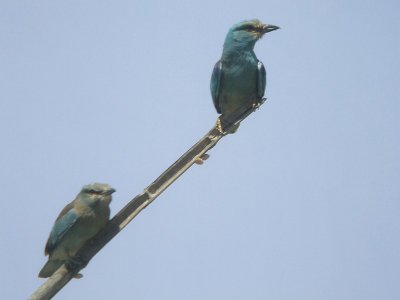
pixel 74 263
pixel 218 125
pixel 258 103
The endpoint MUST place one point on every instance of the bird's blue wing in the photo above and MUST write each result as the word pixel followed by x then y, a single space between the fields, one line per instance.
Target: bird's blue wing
pixel 215 85
pixel 261 79
pixel 64 222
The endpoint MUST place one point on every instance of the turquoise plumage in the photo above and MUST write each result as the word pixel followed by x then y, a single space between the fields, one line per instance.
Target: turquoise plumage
pixel 239 78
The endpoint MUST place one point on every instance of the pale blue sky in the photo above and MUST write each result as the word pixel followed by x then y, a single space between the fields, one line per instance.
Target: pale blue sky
pixel 301 203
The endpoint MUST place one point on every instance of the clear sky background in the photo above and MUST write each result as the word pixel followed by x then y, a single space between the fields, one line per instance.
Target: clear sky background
pixel 301 203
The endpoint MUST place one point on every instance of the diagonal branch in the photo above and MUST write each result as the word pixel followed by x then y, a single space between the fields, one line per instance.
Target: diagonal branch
pixel 65 273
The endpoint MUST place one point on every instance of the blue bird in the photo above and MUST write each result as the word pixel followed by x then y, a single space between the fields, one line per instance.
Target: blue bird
pixel 78 222
pixel 239 78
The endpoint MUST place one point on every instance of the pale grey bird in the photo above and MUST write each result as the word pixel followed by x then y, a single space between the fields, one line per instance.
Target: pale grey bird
pixel 78 222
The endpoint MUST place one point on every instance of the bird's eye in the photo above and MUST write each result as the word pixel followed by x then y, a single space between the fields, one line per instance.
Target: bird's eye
pixel 247 28
pixel 94 192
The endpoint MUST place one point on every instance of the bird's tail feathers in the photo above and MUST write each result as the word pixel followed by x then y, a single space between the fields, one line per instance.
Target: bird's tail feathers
pixel 50 267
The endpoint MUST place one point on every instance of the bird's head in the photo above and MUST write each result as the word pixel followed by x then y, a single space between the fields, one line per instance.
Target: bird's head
pixel 247 33
pixel 95 192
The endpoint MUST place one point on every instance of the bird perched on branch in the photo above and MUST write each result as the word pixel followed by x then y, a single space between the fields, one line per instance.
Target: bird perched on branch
pixel 78 222
pixel 239 78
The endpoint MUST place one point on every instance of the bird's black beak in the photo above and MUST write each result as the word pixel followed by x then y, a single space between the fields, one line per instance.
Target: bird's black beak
pixel 268 28
pixel 111 191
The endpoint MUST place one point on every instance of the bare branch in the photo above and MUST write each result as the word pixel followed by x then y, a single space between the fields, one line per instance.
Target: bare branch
pixel 65 273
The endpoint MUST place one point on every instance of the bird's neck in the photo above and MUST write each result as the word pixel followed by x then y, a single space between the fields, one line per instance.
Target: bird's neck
pixel 88 201
pixel 237 53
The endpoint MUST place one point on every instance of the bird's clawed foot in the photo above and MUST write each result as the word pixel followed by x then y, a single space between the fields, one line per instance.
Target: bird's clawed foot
pixel 74 263
pixel 218 125
pixel 258 103
pixel 200 160
pixel 222 131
